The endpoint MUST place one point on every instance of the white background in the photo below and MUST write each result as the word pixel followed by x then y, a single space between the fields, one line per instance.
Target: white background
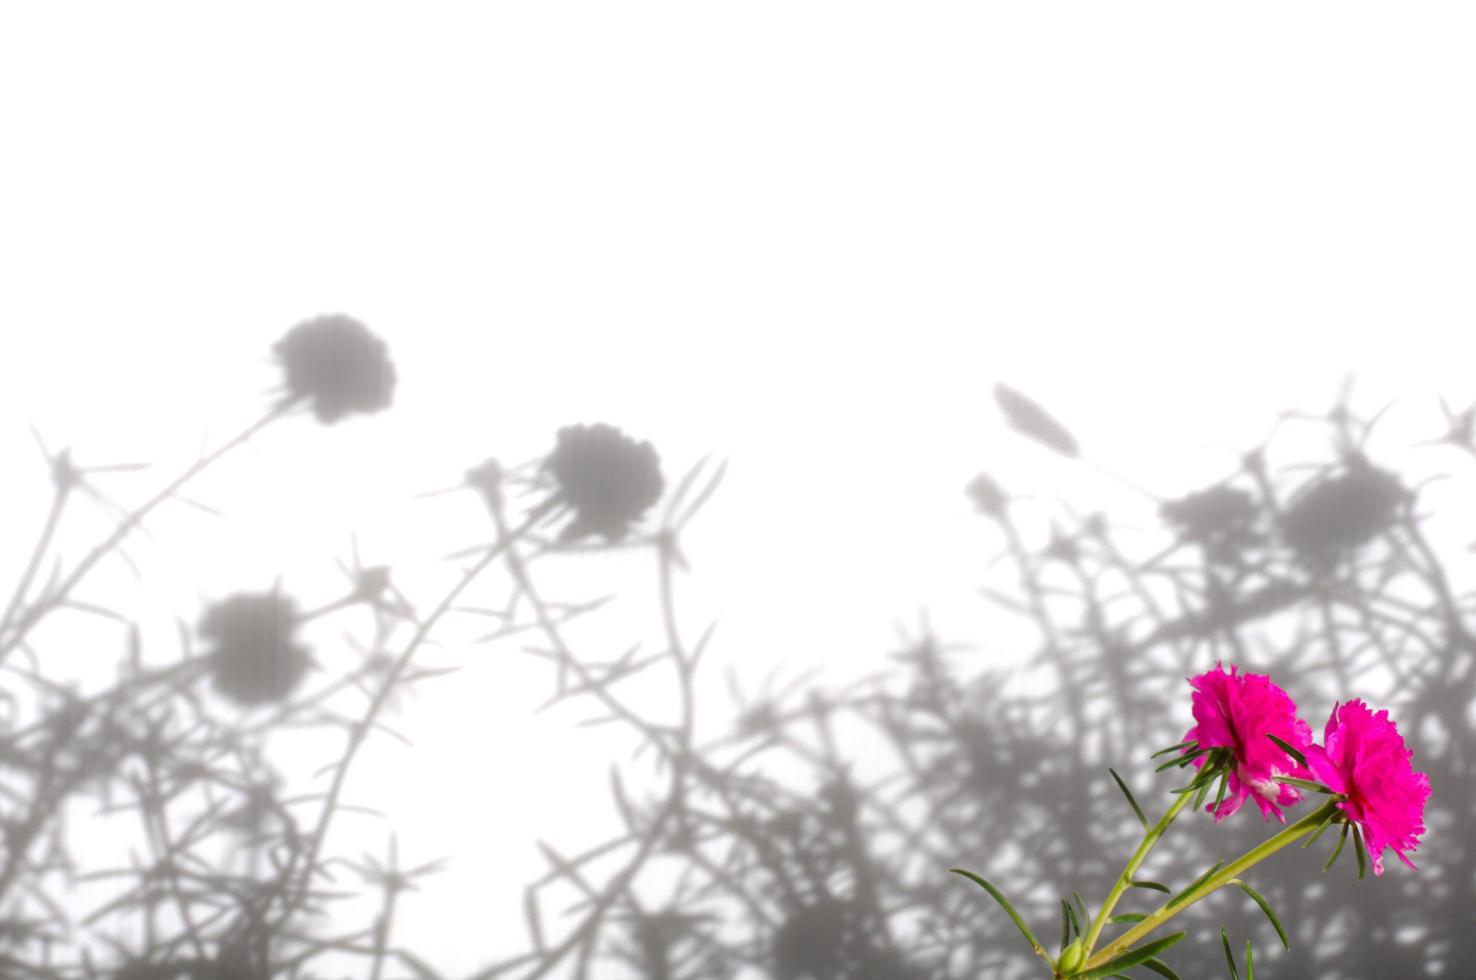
pixel 805 237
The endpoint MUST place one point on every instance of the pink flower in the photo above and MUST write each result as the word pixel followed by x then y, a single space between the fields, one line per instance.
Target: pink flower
pixel 1237 712
pixel 1365 760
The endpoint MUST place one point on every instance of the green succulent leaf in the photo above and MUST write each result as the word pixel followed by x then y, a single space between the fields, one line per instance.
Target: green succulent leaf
pixel 1301 759
pixel 1266 908
pixel 1175 748
pixel 1327 822
pixel 1086 917
pixel 1162 969
pixel 1342 839
pixel 1132 958
pixel 1310 785
pixel 1180 761
pixel 1005 904
pixel 1069 925
pixel 1206 775
pixel 1229 956
pixel 1189 889
pixel 1199 797
pixel 1220 793
pixel 1131 802
pixel 1123 917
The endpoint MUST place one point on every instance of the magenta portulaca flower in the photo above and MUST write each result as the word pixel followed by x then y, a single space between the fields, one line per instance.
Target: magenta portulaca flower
pixel 1248 740
pixel 1364 758
pixel 1236 712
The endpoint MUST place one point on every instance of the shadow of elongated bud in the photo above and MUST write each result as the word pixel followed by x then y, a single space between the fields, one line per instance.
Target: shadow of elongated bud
pixel 1026 417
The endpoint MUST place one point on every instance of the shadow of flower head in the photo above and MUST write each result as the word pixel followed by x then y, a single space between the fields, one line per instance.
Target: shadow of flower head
pixel 1213 513
pixel 608 479
pixel 1336 515
pixel 337 363
pixel 254 660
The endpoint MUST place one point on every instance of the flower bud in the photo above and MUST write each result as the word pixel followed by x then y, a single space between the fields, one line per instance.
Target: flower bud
pixel 1071 959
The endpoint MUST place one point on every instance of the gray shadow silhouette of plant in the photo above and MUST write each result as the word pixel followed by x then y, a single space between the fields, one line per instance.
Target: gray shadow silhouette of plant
pixel 803 832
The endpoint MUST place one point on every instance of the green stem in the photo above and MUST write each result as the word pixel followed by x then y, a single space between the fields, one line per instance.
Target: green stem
pixel 1214 882
pixel 1125 880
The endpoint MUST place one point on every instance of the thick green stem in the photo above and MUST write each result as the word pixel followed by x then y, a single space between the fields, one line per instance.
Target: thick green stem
pixel 1125 880
pixel 1214 882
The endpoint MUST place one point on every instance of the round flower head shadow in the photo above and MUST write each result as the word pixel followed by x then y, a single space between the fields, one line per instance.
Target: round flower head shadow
pixel 1364 758
pixel 608 479
pixel 1236 712
pixel 254 659
pixel 340 366
pixel 1337 515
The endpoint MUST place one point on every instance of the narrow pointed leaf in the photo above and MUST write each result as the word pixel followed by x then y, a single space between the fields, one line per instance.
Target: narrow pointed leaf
pixel 1086 918
pixel 1131 802
pixel 1206 775
pixel 1004 904
pixel 1122 917
pixel 1301 759
pixel 1204 789
pixel 1173 748
pixel 1132 958
pixel 1229 954
pixel 1326 823
pixel 1028 418
pixel 1342 839
pixel 1183 760
pixel 1069 919
pixel 1266 907
pixel 1189 889
pixel 1362 851
pixel 1156 886
pixel 1162 969
pixel 1220 793
pixel 1250 967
